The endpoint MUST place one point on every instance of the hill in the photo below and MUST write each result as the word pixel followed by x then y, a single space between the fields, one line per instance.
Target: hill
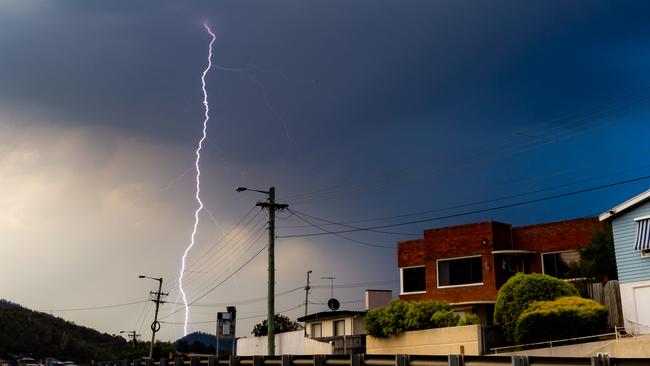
pixel 43 335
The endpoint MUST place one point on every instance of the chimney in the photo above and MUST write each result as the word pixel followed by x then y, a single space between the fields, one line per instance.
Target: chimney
pixel 378 298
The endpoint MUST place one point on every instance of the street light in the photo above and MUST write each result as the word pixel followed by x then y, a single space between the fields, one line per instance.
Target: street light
pixel 272 206
pixel 241 189
pixel 155 326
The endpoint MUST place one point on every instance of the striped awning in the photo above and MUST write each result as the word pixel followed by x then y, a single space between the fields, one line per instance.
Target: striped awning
pixel 642 241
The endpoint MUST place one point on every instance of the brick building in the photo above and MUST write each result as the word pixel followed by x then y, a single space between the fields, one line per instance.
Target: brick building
pixel 467 264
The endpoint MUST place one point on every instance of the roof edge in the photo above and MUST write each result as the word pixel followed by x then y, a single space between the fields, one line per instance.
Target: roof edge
pixel 609 214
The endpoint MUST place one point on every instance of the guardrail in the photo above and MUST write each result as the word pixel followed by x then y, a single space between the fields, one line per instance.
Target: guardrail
pixel 384 360
pixel 555 343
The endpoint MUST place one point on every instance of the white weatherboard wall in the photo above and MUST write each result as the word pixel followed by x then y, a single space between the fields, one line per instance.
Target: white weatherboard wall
pixel 353 325
pixel 633 271
pixel 289 343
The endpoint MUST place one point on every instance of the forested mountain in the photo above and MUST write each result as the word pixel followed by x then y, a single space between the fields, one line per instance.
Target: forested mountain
pixel 42 335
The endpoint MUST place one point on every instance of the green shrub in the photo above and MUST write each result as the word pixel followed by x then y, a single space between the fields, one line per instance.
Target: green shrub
pixel 372 322
pixel 445 318
pixel 566 317
pixel 394 319
pixel 419 314
pixel 400 316
pixel 520 291
pixel 469 319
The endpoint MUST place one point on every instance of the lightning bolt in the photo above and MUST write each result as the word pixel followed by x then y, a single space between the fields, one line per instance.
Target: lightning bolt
pixel 198 176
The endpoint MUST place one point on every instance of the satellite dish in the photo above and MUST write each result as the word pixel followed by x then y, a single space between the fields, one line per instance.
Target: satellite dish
pixel 333 304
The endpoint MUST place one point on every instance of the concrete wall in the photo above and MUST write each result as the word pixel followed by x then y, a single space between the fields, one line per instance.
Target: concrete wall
pixel 441 341
pixel 313 347
pixel 289 343
pixel 624 347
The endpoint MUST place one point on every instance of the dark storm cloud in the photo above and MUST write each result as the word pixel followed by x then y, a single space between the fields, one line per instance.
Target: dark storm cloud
pixel 341 68
pixel 390 107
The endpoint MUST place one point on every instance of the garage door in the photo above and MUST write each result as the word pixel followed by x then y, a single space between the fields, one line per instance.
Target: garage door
pixel 642 305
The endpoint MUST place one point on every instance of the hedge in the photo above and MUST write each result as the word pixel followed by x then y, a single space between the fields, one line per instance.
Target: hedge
pixel 520 291
pixel 401 316
pixel 566 317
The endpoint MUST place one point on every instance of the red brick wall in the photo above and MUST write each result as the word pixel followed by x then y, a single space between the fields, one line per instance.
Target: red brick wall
pixel 554 236
pixel 467 240
pixel 451 242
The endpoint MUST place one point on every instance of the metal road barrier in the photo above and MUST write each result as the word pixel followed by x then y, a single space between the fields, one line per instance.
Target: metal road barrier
pixel 384 360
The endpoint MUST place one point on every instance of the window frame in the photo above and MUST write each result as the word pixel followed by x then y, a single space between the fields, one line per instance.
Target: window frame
pixel 645 253
pixel 311 330
pixel 334 322
pixel 557 252
pixel 456 258
pixel 401 280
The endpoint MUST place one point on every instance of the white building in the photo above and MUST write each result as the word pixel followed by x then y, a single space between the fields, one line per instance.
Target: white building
pixel 631 226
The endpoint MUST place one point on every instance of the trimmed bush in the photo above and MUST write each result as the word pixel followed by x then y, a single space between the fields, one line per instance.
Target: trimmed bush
pixel 566 317
pixel 400 316
pixel 523 289
pixel 372 322
pixel 446 318
pixel 420 314
pixel 469 319
pixel 393 319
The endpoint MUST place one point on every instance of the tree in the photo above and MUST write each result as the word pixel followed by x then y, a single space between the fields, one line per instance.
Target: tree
pixel 282 324
pixel 598 260
pixel 520 291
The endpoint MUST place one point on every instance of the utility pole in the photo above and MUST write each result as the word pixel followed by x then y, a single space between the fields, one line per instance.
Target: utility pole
pixel 133 335
pixel 272 207
pixel 307 288
pixel 155 326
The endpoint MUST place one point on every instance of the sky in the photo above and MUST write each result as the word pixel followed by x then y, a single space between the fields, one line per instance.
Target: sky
pixel 365 113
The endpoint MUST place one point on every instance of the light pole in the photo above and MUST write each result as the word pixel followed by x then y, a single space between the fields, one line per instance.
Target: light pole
pixel 272 207
pixel 155 326
pixel 307 288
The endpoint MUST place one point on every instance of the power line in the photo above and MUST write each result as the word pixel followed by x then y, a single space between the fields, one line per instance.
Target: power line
pixel 339 235
pixel 220 283
pixel 573 124
pixel 227 237
pixel 346 223
pixel 95 307
pixel 243 245
pixel 474 211
pixel 251 242
pixel 286 292
pixel 238 318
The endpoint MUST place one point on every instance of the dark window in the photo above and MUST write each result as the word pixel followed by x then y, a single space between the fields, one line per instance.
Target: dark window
pixel 458 272
pixel 316 330
pixel 413 279
pixel 339 327
pixel 561 265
